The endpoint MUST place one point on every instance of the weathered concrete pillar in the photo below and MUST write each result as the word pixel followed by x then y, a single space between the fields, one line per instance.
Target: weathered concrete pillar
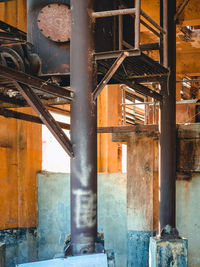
pixel 142 178
pixel 168 252
pixel 168 248
pixel 2 255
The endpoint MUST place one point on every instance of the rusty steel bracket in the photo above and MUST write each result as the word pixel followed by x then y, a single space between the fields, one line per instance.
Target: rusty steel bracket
pixel 34 101
pixel 169 232
pixel 110 74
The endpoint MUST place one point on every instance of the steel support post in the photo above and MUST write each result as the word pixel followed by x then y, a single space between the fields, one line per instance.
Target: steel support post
pixel 83 130
pixel 167 147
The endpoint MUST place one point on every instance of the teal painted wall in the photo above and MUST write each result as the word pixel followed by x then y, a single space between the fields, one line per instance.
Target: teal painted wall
pixel 188 216
pixel 54 213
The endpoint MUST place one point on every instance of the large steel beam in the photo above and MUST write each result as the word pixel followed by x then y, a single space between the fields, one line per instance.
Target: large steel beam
pixel 14 31
pixel 35 82
pixel 34 101
pixel 83 131
pixel 167 147
pixel 7 113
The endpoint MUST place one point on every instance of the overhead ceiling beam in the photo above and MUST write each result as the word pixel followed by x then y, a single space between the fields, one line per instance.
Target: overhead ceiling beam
pixel 10 29
pixel 7 113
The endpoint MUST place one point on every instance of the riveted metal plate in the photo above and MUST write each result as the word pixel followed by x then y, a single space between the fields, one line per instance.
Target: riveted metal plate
pixel 54 22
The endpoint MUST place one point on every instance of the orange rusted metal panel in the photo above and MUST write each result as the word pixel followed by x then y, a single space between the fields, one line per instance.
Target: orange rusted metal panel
pixel 8 176
pixel 29 142
pixel 20 156
pixel 109 114
pixel 20 150
pixel 14 13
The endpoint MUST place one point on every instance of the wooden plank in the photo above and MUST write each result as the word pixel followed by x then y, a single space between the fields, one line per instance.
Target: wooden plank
pixel 188 159
pixel 188 131
pixel 127 129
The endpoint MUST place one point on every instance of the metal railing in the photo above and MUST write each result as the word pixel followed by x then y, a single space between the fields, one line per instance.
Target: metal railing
pixel 138 15
pixel 133 114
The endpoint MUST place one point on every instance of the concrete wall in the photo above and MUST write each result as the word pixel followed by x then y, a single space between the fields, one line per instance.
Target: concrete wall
pixel 142 193
pixel 54 213
pixel 188 216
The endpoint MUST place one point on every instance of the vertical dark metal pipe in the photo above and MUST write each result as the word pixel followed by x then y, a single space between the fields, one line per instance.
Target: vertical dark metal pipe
pixel 120 32
pixel 83 131
pixel 167 148
pixel 137 24
pixel 161 39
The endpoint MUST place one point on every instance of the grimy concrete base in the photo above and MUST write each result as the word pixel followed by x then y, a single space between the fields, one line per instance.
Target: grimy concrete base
pixel 2 255
pixel 168 252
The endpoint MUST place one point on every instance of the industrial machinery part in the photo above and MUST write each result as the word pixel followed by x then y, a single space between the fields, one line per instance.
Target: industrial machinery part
pixel 45 20
pixel 99 246
pixel 54 21
pixel 11 58
pixel 40 85
pixel 21 58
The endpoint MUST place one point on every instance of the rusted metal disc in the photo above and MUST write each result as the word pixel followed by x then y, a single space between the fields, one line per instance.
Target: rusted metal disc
pixel 54 21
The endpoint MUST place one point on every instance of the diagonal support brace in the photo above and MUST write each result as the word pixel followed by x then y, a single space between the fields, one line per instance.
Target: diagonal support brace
pixel 23 78
pixel 34 101
pixel 180 9
pixel 110 74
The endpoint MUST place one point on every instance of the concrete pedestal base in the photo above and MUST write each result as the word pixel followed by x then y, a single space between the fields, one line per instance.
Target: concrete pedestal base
pixel 168 252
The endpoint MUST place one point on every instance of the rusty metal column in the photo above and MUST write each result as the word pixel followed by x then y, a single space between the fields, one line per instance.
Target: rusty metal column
pixel 167 148
pixel 83 131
